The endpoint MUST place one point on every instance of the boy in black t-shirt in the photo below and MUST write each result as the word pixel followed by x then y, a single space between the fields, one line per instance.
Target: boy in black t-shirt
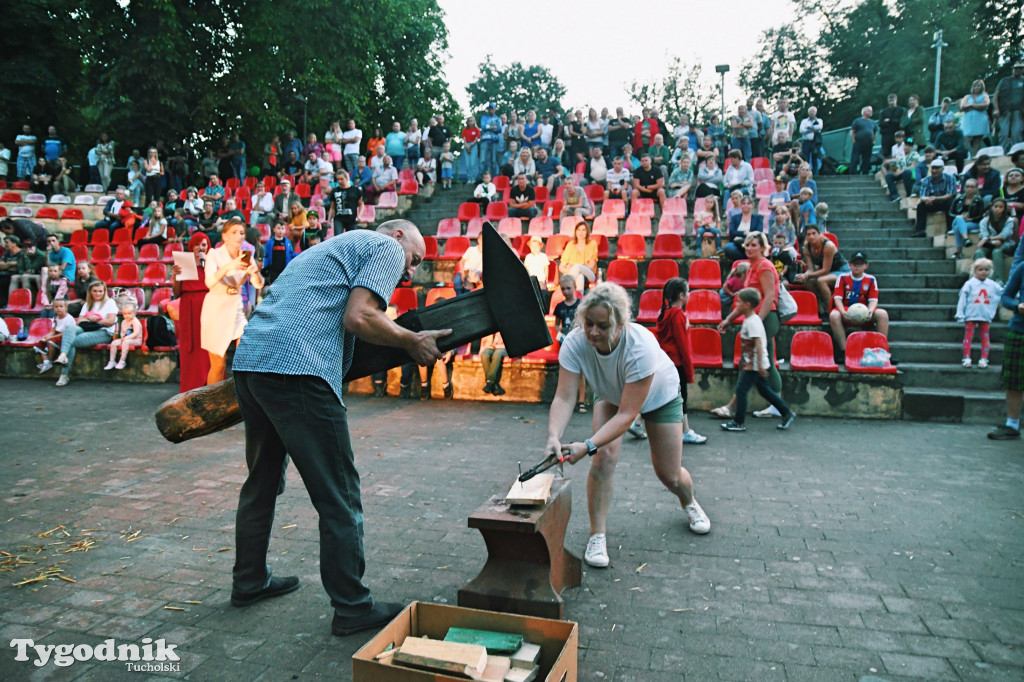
pixel 346 201
pixel 784 258
pixel 565 311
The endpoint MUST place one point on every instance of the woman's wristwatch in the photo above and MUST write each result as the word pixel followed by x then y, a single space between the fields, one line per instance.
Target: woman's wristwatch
pixel 591 448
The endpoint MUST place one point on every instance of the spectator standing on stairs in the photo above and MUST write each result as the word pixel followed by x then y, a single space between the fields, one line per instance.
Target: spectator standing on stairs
pixel 1013 353
pixel 862 135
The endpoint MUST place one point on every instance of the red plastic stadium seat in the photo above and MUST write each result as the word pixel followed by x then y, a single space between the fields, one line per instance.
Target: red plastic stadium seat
pixel 659 272
pixel 439 293
pixel 72 214
pixel 541 226
pixel 231 184
pixel 367 214
pixel 762 174
pixel 675 206
pixel 595 193
pixel 541 194
pixel 602 245
pixel 606 225
pixel 760 162
pixel 449 227
pixel 455 247
pixel 47 213
pixel 3 212
pixel 502 183
pixel 10 198
pixel 705 347
pixel 468 211
pixel 631 246
pixel 430 244
pixel 104 271
pixel 302 190
pixel 101 253
pixel 856 343
pixel 155 274
pixel 79 237
pixel 513 227
pixel 650 306
pixel 14 325
pixel 811 351
pixel 388 200
pixel 496 210
pixel 615 208
pixel 409 187
pixel 122 235
pixel 125 253
pixel 20 300
pixel 624 273
pixel 705 273
pixel 99 237
pixel 552 209
pixel 668 246
pixel 36 331
pixel 406 174
pixel 556 245
pixel 704 306
pixel 475 226
pixel 170 249
pixel 832 238
pixel 80 251
pixel 128 274
pixel 405 299
pixel 806 308
pixel 672 224
pixel 567 226
pixel 159 296
pixel 21 184
pixel 638 224
pixel 765 188
pixel 643 207
pixel 141 232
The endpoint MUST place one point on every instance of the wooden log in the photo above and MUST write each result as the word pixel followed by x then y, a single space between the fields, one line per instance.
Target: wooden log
pixel 199 412
pixel 434 654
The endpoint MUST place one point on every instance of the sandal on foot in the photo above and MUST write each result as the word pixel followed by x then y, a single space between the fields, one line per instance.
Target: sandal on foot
pixel 722 412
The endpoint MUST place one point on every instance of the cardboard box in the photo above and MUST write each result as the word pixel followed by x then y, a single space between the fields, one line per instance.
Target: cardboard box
pixel 558 640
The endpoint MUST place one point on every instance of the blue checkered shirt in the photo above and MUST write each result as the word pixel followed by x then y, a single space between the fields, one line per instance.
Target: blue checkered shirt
pixel 930 187
pixel 299 328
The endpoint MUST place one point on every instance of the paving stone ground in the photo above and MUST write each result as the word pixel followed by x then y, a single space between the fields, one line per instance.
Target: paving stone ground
pixel 842 550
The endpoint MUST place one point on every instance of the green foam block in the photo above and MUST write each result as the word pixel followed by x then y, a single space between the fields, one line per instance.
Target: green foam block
pixel 494 642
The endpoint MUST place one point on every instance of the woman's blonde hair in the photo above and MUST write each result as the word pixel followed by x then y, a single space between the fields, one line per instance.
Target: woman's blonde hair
pixel 92 285
pixel 612 298
pixel 981 262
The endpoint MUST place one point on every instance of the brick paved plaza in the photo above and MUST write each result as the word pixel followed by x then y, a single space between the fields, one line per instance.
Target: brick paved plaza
pixel 841 550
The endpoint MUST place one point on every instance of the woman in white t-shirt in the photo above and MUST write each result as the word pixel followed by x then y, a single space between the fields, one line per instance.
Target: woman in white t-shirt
pixel 95 325
pixel 630 374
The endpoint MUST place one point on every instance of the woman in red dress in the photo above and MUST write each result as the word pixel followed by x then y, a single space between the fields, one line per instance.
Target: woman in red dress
pixel 194 362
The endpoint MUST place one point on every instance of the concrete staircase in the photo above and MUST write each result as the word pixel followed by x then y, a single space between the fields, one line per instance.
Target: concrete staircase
pixel 428 211
pixel 919 285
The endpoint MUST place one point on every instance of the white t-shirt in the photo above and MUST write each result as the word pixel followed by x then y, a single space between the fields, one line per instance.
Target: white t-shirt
pixel 537 265
pixel 351 138
pixel 108 307
pixel 546 130
pixel 473 259
pixel 62 323
pixel 637 357
pixel 784 123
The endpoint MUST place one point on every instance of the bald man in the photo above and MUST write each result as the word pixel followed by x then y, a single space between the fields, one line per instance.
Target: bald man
pixel 288 372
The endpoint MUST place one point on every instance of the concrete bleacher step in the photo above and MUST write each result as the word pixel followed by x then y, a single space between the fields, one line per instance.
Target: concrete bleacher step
pixel 940 332
pixel 952 376
pixel 954 405
pixel 949 280
pixel 909 267
pixel 940 351
pixel 912 312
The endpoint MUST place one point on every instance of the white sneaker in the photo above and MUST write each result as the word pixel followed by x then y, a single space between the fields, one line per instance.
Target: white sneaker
pixel 983 363
pixel 967 362
pixel 120 365
pixel 109 365
pixel 694 438
pixel 62 359
pixel 45 367
pixel 63 380
pixel 597 551
pixel 699 522
pixel 768 413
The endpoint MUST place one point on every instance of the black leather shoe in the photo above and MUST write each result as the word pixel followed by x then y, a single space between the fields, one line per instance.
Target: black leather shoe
pixel 276 588
pixel 381 614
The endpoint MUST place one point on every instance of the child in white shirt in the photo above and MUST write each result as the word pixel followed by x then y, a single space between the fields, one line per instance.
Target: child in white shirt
pixel 979 301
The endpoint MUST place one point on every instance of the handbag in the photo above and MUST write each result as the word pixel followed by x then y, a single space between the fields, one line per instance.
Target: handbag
pixel 89 326
pixel 787 307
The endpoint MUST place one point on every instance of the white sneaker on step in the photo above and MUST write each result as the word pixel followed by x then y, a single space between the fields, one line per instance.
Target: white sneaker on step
pixel 597 551
pixel 694 438
pixel 699 522
pixel 768 413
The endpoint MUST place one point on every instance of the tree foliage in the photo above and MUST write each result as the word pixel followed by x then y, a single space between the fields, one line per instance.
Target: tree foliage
pixel 514 87
pixel 841 57
pixel 189 70
pixel 684 89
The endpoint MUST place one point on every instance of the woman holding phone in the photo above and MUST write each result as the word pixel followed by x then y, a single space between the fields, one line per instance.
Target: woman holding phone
pixel 228 268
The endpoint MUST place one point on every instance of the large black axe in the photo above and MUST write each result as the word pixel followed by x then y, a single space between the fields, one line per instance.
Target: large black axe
pixel 510 302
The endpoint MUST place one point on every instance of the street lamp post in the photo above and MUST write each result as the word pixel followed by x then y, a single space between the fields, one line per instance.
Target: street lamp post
pixel 304 101
pixel 723 69
pixel 937 46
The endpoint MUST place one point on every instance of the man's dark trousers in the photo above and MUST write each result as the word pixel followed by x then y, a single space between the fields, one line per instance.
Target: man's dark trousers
pixel 300 416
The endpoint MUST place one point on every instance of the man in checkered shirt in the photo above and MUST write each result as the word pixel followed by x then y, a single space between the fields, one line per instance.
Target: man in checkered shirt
pixel 288 372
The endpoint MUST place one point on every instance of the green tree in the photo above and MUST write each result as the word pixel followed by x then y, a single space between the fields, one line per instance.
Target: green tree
pixel 684 89
pixel 514 87
pixel 788 64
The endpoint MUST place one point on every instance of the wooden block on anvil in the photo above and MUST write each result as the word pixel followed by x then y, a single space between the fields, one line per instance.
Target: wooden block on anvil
pixel 536 491
pixel 434 654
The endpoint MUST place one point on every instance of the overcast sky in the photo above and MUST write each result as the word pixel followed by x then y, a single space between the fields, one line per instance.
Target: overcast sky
pixel 575 39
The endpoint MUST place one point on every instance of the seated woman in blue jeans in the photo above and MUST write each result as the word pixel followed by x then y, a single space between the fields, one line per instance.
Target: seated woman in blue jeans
pixel 95 325
pixel 740 225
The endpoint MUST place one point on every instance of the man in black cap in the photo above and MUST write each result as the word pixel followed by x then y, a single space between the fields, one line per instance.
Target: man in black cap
pixel 856 287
